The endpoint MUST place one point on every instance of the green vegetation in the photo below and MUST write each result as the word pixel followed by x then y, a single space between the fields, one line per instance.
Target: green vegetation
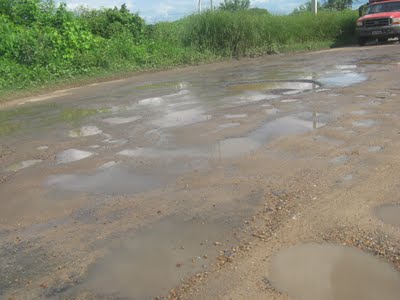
pixel 245 33
pixel 44 43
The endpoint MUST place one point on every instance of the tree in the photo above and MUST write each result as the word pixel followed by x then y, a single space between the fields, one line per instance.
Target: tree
pixel 338 4
pixel 235 5
pixel 326 5
pixel 306 7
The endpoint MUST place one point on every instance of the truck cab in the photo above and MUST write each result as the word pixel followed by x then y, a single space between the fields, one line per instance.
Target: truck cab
pixel 381 21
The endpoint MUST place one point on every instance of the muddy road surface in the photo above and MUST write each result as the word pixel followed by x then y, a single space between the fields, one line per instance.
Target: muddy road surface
pixel 269 178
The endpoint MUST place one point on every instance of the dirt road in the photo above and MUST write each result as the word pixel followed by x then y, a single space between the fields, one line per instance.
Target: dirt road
pixel 270 178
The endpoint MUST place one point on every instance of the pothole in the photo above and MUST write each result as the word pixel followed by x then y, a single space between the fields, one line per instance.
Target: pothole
pixel 72 155
pixel 364 123
pixel 284 87
pixel 331 272
pixel 389 214
pixel 121 120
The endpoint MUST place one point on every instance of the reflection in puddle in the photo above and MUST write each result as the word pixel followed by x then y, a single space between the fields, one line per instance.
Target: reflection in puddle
pixel 389 214
pixel 152 101
pixel 315 272
pixel 375 149
pixel 284 86
pixel 232 147
pixel 272 111
pixel 42 148
pixel 228 125
pixel 340 160
pixel 110 180
pixel 364 123
pixel 121 120
pixel 84 131
pixel 108 165
pixel 156 259
pixel 23 165
pixel 361 112
pixel 238 116
pixel 341 79
pixel 182 118
pixel 72 155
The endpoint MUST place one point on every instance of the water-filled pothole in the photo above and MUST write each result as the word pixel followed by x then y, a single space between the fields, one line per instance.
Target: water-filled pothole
pixel 330 272
pixel 155 259
pixel 276 87
pixel 389 214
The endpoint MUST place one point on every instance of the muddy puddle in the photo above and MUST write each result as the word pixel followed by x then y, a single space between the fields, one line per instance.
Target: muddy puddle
pixel 157 258
pixel 389 214
pixel 275 87
pixel 236 146
pixel 342 78
pixel 72 155
pixel 112 178
pixel 330 272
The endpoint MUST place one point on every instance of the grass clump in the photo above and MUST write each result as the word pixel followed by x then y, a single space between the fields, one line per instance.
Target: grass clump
pixel 244 32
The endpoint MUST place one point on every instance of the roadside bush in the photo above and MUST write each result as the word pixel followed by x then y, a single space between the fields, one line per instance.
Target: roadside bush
pixel 237 33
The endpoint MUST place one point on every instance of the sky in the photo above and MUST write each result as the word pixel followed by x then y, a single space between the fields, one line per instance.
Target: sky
pixel 168 10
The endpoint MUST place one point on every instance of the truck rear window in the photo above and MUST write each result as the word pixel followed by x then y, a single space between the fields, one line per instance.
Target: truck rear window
pixel 383 7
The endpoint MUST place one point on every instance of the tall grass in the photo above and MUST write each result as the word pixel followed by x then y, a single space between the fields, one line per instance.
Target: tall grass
pixel 244 32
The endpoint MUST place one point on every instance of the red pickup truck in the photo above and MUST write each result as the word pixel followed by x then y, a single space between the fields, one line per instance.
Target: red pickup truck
pixel 381 21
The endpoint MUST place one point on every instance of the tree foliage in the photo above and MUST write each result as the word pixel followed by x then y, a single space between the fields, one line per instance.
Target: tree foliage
pixel 234 5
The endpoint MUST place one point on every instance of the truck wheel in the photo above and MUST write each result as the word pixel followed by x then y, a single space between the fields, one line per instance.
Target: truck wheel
pixel 362 41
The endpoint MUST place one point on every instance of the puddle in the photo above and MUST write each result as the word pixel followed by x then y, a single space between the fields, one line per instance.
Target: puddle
pixel 72 155
pixel 94 146
pixel 347 178
pixel 340 160
pixel 42 148
pixel 115 143
pixel 84 131
pixel 389 214
pixel 108 165
pixel 182 118
pixel 375 149
pixel 272 111
pixel 233 147
pixel 121 120
pixel 157 258
pixel 328 140
pixel 346 67
pixel 341 79
pixel 364 123
pixel 276 86
pixel 359 112
pixel 322 90
pixel 228 125
pixel 238 116
pixel 152 101
pixel 289 100
pixel 23 165
pixel 111 180
pixel 315 272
